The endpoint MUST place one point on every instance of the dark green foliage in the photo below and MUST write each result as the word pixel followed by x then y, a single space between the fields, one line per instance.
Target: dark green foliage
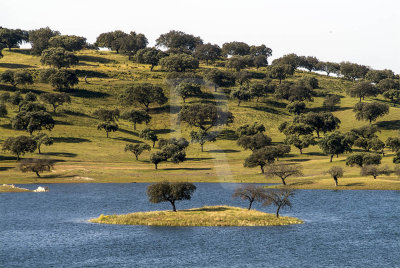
pixel 19 145
pixel 172 149
pixel 58 57
pixel 294 128
pixel 393 95
pixel 396 158
pixel 393 143
pixel 120 41
pixel 261 89
pixel 375 171
pixel 3 110
pixel 108 127
pixel 144 94
pixel 362 90
pixel 388 83
pixel 68 42
pixel 250 193
pixel 204 116
pixel 187 90
pixel 254 142
pixel 42 139
pixel 137 149
pixel 17 78
pixel 290 59
pixel 362 159
pixel 331 101
pixel 33 121
pixel 137 117
pixel 335 144
pixel 30 97
pixel 201 137
pixel 336 172
pixel 179 63
pixel 182 143
pixel 328 67
pixel 27 107
pixel 296 107
pixel 301 142
pixel 5 97
pixel 298 91
pixel 39 39
pixel 370 111
pixel 149 135
pixel 310 63
pixel 12 38
pixel 239 62
pixel 243 77
pixel 261 50
pixel 260 158
pixel 16 99
pixel 207 52
pixel 179 40
pixel 283 171
pixel 375 76
pixel 157 158
pixel 175 78
pixel 279 198
pixel 170 192
pixel 249 130
pixel 219 78
pixel 320 122
pixel 36 165
pixel 150 56
pixel 241 94
pixel 312 82
pixel 353 71
pixel 107 114
pixel 236 49
pixel 55 99
pixel 60 79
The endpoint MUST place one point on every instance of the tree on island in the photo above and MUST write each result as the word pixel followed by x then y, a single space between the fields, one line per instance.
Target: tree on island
pixel 279 198
pixel 336 172
pixel 170 192
pixel 36 165
pixel 137 149
pixel 19 145
pixel 250 192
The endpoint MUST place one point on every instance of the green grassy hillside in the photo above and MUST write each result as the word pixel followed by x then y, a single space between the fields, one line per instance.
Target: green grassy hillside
pixel 84 154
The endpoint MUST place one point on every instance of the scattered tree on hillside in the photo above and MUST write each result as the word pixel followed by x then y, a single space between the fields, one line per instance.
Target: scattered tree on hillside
pixel 58 57
pixel 39 39
pixel 310 63
pixel 353 71
pixel 149 135
pixel 201 137
pixel 68 42
pixel 170 192
pixel 328 67
pixel 42 139
pixel 370 111
pixel 375 76
pixel 319 122
pixel 393 143
pixel 375 171
pixel 241 94
pixel 60 79
pixel 55 99
pixel 331 101
pixel 362 90
pixel 296 107
pixel 301 142
pixel 280 71
pixel 219 78
pixel 144 94
pixel 107 114
pixel 180 41
pixel 235 49
pixel 136 117
pixel 179 63
pixel 13 38
pixel 187 90
pixel 19 145
pixel 283 171
pixel 137 149
pixel 3 110
pixel 254 142
pixel 207 52
pixel 238 63
pixel 261 89
pixel 17 78
pixel 363 159
pixel 108 127
pixel 33 121
pixel 250 130
pixel 336 172
pixel 36 165
pixel 150 56
pixel 335 144
pixel 250 192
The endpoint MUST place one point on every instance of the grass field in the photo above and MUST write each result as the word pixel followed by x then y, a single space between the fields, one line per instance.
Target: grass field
pixel 204 216
pixel 84 154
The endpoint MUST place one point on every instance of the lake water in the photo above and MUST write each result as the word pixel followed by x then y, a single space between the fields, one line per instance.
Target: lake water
pixel 342 228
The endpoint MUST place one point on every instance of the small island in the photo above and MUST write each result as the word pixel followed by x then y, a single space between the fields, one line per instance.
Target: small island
pixel 204 216
pixel 6 188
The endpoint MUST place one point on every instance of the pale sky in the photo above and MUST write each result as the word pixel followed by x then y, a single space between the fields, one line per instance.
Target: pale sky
pixel 365 32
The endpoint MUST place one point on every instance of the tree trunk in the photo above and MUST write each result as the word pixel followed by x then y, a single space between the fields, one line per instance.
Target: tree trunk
pixel 137 157
pixel 37 173
pixel 17 157
pixel 134 126
pixel 39 149
pixel 173 206
pixel 317 133
pixel 277 211
pixel 155 166
pixel 154 143
pixel 215 88
pixel 336 182
pixel 262 169
pixel 107 133
pixel 280 80
pixel 238 103
pixel 151 68
pixel 374 177
pixel 331 157
pixel 202 145
pixel 184 100
pixel 283 181
pixel 54 108
pixel 301 151
pixel 251 202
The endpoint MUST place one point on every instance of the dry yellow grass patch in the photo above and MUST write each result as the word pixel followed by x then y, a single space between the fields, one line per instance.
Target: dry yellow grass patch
pixel 204 216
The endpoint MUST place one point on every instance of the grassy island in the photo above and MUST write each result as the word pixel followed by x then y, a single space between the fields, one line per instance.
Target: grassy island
pixel 204 216
pixel 5 188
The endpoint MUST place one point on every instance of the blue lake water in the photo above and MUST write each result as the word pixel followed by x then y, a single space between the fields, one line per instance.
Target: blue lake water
pixel 342 228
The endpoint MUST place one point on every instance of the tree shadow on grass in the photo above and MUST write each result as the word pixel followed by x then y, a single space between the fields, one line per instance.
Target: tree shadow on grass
pixel 164 131
pixel 55 176
pixel 96 59
pixel 5 168
pixel 389 125
pixel 21 51
pixel 127 140
pixel 7 88
pixel 355 184
pixel 206 209
pixel 172 109
pixel 5 158
pixel 186 168
pixel 299 183
pixel 15 65
pixel 274 103
pixel 300 160
pixel 199 158
pixel 61 154
pixel 224 151
pixel 227 134
pixel 328 109
pixel 315 154
pixel 91 74
pixel 70 139
pixel 84 93
pixel 265 109
pixel 128 132
pixel 6 126
pixel 64 123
